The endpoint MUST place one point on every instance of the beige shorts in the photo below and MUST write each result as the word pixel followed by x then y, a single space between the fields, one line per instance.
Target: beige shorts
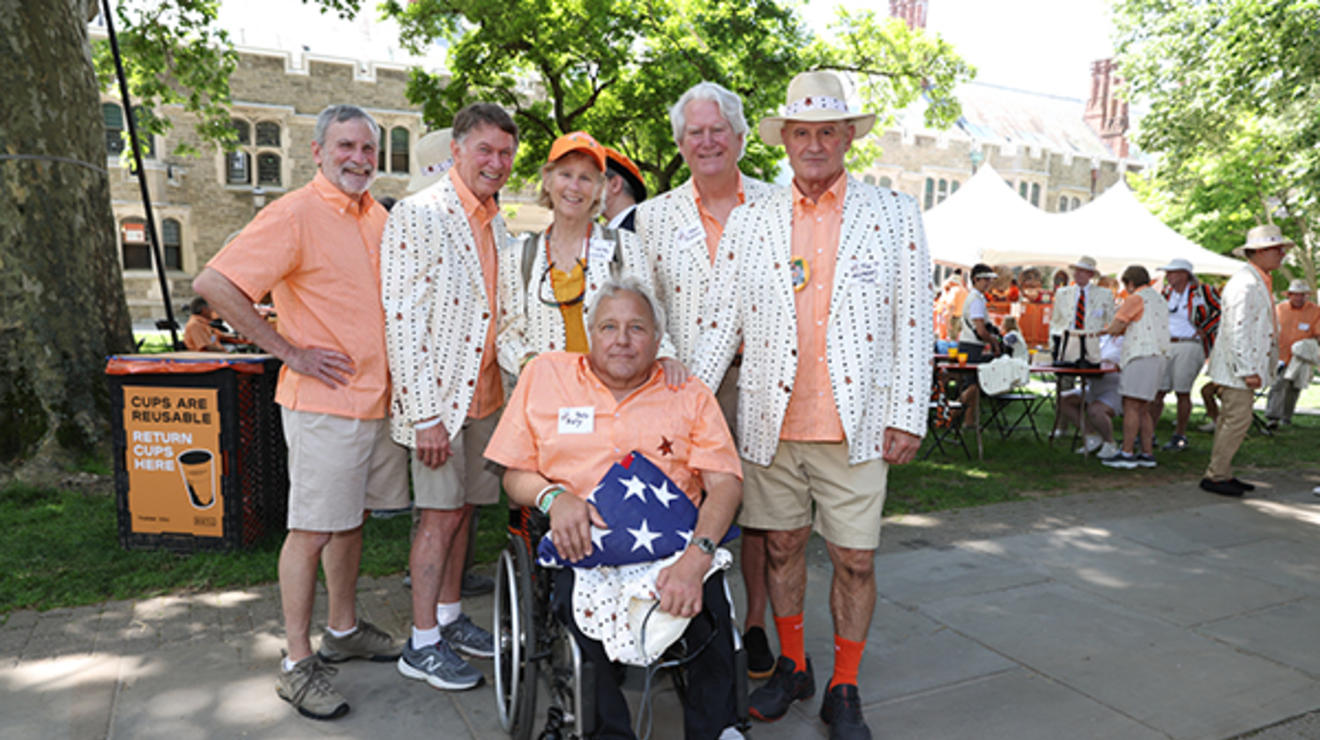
pixel 848 499
pixel 1182 365
pixel 466 477
pixel 1140 378
pixel 339 467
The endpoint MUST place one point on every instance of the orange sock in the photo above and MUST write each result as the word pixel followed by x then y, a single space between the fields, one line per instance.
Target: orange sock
pixel 790 640
pixel 847 656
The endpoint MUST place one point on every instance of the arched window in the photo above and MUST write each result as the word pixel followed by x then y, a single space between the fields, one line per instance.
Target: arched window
pixel 1075 204
pixel 398 149
pixel 171 237
pixel 1035 194
pixel 113 116
pixel 134 247
pixel 930 193
pixel 868 179
pixel 886 182
pixel 242 129
pixel 268 133
pixel 1063 204
pixel 268 169
pixel 1022 189
pixel 944 190
pixel 238 168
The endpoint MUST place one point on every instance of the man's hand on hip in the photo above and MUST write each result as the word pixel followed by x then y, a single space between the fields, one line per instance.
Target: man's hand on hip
pixel 433 446
pixel 1252 381
pixel 680 584
pixel 570 525
pixel 900 446
pixel 326 365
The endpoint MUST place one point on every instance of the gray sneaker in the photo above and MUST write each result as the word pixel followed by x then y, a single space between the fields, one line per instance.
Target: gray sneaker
pixel 1122 460
pixel 468 638
pixel 367 641
pixel 307 687
pixel 439 666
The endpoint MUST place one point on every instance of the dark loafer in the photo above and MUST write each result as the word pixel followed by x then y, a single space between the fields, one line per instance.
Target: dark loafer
pixel 1221 487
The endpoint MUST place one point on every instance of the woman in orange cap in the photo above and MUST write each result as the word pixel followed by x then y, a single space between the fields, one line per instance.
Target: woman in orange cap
pixel 548 280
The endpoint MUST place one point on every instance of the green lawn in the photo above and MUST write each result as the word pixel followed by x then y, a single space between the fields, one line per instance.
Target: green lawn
pixel 62 547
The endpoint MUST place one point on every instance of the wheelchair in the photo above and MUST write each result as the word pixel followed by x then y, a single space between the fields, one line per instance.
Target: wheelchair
pixel 536 656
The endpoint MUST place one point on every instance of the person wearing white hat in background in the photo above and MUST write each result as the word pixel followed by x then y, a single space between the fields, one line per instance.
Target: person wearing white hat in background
pixel 1246 354
pixel 829 291
pixel 1193 311
pixel 1082 310
pixel 1298 319
pixel 431 159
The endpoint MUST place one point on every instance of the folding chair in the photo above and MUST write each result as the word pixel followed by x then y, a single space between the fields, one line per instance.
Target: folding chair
pixel 944 421
pixel 1001 409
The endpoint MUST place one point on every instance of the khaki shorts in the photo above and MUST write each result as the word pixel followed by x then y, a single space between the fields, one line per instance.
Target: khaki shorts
pixel 339 467
pixel 1140 378
pixel 1182 365
pixel 466 477
pixel 848 499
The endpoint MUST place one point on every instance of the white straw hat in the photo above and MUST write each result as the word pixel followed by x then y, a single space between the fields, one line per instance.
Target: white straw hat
pixel 1263 237
pixel 814 97
pixel 1299 286
pixel 1086 263
pixel 431 159
pixel 1177 263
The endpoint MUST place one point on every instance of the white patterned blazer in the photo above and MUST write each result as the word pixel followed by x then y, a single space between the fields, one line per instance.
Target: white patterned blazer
pixel 674 239
pixel 880 336
pixel 528 326
pixel 436 309
pixel 1100 308
pixel 1248 342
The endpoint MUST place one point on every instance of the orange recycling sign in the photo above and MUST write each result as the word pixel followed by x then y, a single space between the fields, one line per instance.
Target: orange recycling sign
pixel 172 455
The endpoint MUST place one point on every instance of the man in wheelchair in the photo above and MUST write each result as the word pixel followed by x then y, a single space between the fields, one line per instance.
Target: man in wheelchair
pixel 569 420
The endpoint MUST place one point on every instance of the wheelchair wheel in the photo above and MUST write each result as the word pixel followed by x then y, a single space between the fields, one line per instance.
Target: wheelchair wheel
pixel 515 641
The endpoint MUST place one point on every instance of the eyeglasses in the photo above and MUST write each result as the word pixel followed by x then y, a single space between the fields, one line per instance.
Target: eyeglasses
pixel 552 300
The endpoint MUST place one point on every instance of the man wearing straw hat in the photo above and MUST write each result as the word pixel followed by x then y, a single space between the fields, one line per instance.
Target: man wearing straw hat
pixel 680 230
pixel 1081 312
pixel 829 290
pixel 1298 319
pixel 1245 354
pixel 1193 314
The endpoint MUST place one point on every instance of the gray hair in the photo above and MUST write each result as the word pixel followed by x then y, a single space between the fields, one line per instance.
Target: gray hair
pixel 730 104
pixel 627 284
pixel 339 114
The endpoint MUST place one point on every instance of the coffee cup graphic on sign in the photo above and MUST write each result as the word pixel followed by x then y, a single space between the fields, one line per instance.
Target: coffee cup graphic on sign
pixel 198 471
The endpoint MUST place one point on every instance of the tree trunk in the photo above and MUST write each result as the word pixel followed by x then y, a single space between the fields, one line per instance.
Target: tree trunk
pixel 60 284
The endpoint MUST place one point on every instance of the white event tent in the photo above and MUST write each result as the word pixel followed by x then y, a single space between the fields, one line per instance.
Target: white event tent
pixel 985 221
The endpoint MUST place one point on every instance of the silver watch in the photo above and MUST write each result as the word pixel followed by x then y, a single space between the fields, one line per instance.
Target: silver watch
pixel 704 544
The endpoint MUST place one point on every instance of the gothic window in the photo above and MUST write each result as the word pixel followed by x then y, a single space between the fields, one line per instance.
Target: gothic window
pixel 114 127
pixel 399 149
pixel 268 133
pixel 134 247
pixel 171 237
pixel 268 169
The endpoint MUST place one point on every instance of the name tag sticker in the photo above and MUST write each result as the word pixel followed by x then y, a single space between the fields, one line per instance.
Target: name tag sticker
pixel 600 250
pixel 692 235
pixel 577 419
pixel 864 272
pixel 1303 326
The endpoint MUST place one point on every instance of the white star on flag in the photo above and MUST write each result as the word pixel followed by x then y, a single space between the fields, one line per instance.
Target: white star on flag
pixel 686 534
pixel 598 537
pixel 643 537
pixel 635 487
pixel 663 494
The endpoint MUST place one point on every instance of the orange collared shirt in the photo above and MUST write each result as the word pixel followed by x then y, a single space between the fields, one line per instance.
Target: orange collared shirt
pixel 317 252
pixel 1132 309
pixel 489 394
pixel 714 229
pixel 198 336
pixel 812 415
pixel 682 432
pixel 1295 324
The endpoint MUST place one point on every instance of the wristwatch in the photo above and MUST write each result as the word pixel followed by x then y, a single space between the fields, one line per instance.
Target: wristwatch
pixel 704 544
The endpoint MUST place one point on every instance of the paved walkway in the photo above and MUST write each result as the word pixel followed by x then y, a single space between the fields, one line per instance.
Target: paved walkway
pixel 1150 612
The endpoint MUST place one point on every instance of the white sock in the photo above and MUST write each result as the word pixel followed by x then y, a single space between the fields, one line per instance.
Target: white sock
pixel 340 633
pixel 422 638
pixel 286 664
pixel 448 613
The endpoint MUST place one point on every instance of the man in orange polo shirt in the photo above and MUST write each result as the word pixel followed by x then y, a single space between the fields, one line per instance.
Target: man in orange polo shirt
pixel 317 251
pixel 830 294
pixel 554 460
pixel 438 285
pixel 1298 319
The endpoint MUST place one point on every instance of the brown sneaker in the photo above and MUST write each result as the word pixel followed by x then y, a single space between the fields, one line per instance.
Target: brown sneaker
pixel 367 641
pixel 307 687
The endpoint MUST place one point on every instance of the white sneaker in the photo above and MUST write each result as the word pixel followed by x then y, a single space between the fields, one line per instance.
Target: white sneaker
pixel 1107 450
pixel 1207 427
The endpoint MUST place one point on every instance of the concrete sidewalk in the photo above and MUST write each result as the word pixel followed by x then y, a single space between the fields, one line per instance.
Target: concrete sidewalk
pixel 1150 612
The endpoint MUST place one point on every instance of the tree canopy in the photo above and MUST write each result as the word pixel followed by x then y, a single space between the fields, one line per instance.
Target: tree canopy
pixel 1234 93
pixel 614 67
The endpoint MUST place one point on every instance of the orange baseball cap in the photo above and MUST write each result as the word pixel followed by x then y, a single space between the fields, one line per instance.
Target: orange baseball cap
pixel 624 167
pixel 578 141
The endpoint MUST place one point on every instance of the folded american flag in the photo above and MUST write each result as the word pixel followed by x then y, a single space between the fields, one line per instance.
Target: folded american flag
pixel 649 518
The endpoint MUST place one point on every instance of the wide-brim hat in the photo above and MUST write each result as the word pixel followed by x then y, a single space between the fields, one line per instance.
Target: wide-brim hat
pixel 578 141
pixel 984 274
pixel 1177 263
pixel 1086 263
pixel 1299 286
pixel 814 97
pixel 1263 237
pixel 431 159
pixel 619 164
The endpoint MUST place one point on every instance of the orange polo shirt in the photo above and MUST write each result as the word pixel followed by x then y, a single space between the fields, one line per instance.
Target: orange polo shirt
pixel 681 431
pixel 317 252
pixel 198 336
pixel 812 415
pixel 489 394
pixel 714 229
pixel 1132 309
pixel 1295 324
